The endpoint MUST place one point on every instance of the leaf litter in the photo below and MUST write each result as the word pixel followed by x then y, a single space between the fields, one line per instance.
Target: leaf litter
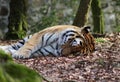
pixel 103 65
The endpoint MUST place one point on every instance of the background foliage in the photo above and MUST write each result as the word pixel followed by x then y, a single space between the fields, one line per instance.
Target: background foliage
pixel 45 13
pixel 54 12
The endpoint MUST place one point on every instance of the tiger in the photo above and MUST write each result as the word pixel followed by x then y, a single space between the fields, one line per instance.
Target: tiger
pixel 60 40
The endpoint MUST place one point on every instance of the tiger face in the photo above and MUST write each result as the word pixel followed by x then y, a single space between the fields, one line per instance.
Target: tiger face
pixel 81 43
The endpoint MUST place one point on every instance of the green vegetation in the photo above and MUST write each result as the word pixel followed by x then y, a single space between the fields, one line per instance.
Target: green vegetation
pixel 12 72
pixel 117 29
pixel 46 21
pixel 100 40
pixel 17 19
pixel 4 57
pixel 53 14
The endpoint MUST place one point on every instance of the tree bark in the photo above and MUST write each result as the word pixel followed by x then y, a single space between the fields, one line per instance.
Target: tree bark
pixel 81 16
pixel 98 21
pixel 17 20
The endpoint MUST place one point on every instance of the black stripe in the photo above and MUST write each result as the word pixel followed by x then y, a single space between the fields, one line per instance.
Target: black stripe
pixel 41 52
pixel 48 51
pixel 57 46
pixel 86 39
pixel 42 41
pixel 64 34
pixel 18 46
pixel 29 37
pixel 22 42
pixel 52 46
pixel 58 53
pixel 70 35
pixel 38 52
pixel 49 38
pixel 56 40
pixel 14 47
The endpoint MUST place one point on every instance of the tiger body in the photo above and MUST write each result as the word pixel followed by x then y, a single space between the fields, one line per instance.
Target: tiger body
pixel 56 41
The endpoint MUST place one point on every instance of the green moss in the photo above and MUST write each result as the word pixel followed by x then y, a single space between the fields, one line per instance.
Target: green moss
pixel 17 19
pixel 13 72
pixel 100 40
pixel 117 29
pixel 18 73
pixel 4 57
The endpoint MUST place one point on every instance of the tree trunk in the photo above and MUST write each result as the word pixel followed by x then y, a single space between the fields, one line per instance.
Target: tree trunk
pixel 17 20
pixel 81 16
pixel 97 17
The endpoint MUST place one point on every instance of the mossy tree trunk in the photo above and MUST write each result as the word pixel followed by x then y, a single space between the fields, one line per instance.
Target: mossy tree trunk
pixel 17 19
pixel 81 16
pixel 98 21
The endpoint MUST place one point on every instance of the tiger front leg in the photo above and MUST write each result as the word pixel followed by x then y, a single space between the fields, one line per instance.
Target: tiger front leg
pixel 28 48
pixel 48 50
pixel 24 52
pixel 21 55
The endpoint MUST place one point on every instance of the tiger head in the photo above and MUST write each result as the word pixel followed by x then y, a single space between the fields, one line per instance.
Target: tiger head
pixel 88 40
pixel 82 43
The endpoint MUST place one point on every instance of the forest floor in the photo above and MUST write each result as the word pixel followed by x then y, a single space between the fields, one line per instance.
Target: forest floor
pixel 103 65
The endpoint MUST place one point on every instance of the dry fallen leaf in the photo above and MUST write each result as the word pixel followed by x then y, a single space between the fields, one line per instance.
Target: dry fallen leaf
pixel 103 65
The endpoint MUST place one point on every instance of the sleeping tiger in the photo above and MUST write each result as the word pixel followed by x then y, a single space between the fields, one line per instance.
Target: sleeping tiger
pixel 60 40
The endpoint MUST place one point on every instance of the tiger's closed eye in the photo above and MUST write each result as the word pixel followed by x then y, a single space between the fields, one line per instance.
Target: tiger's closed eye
pixel 77 36
pixel 81 43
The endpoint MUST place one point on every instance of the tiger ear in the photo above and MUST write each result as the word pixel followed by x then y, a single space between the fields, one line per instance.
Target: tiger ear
pixel 86 29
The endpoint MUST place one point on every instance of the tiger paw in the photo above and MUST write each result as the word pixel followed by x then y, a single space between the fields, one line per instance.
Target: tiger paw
pixel 20 55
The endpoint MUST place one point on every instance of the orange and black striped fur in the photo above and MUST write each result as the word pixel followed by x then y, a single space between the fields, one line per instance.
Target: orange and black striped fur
pixel 56 41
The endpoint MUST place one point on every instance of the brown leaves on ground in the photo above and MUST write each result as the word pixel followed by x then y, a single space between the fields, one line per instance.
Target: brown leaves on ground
pixel 101 66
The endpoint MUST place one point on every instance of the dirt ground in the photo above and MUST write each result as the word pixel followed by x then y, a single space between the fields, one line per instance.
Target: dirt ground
pixel 103 65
